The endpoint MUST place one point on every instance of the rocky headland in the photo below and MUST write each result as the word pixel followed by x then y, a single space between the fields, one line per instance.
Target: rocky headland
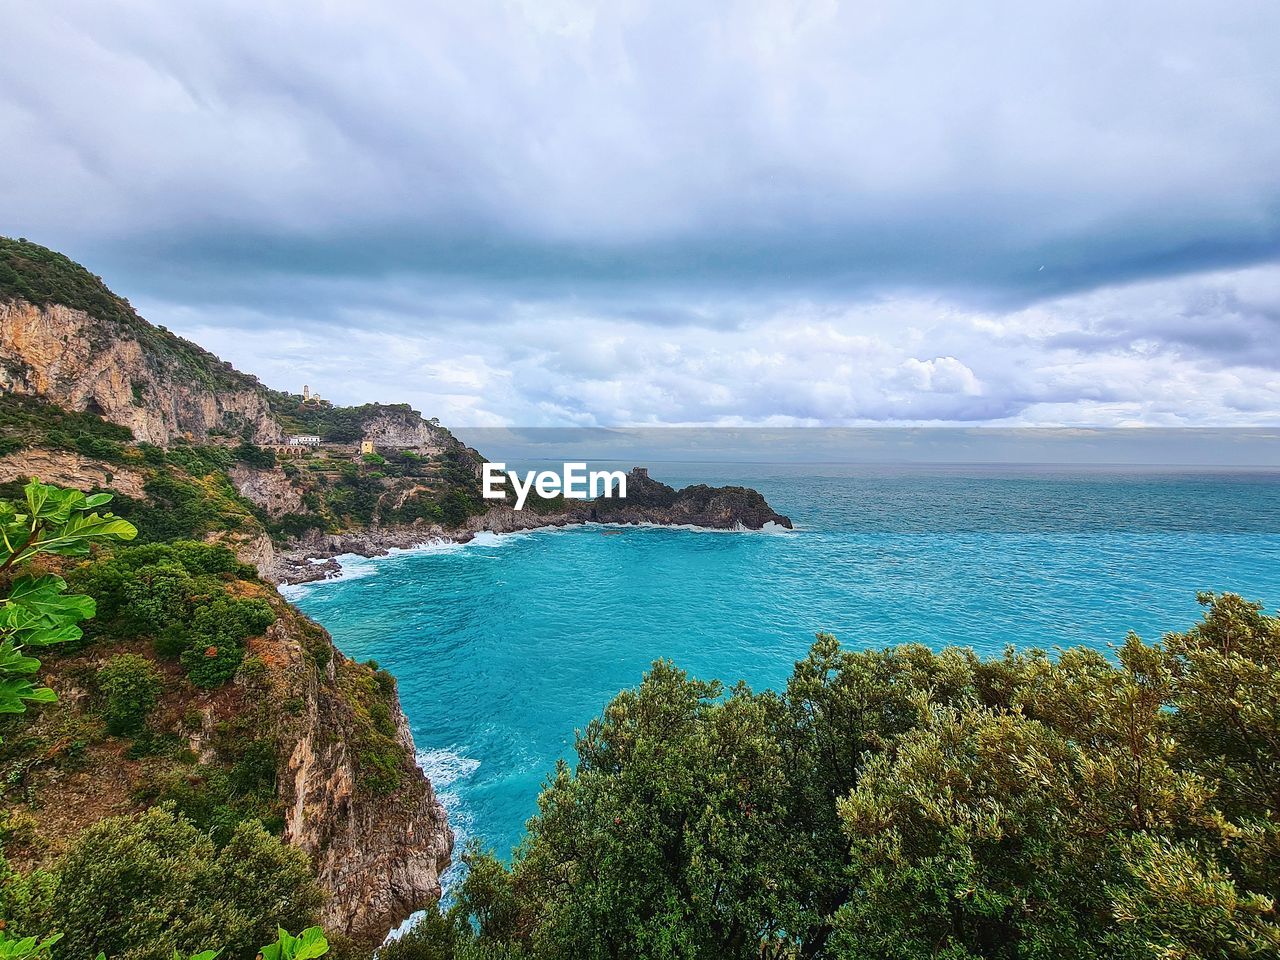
pixel 648 502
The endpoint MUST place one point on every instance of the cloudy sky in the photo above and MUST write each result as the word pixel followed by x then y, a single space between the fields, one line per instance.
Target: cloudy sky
pixel 550 212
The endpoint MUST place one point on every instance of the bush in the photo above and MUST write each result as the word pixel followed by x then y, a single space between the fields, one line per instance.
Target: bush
pixel 214 639
pixel 255 456
pixel 137 888
pixel 131 687
pixel 177 594
pixel 199 461
pixel 905 805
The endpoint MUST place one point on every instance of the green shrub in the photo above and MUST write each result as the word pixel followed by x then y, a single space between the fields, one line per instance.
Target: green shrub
pixel 214 638
pixel 457 506
pixel 256 456
pixel 131 686
pixel 28 421
pixel 177 594
pixel 137 888
pixel 297 524
pixel 199 461
pixel 177 508
pixel 218 800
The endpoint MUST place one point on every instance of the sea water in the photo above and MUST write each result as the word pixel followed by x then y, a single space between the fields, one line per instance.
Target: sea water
pixel 504 646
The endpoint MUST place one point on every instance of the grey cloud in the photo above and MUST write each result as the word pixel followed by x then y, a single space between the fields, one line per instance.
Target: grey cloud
pixel 571 212
pixel 562 146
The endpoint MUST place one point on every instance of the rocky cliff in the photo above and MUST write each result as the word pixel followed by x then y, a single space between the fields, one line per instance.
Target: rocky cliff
pixel 379 843
pixel 407 430
pixel 80 362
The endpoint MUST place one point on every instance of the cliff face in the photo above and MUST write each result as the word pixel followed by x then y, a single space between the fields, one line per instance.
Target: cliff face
pixel 68 469
pixel 378 847
pixel 269 489
pixel 408 432
pixel 81 362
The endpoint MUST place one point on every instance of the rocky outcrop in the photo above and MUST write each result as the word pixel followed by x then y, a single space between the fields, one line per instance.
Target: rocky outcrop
pixel 84 363
pixel 269 489
pixel 648 501
pixel 395 430
pixel 377 853
pixel 69 469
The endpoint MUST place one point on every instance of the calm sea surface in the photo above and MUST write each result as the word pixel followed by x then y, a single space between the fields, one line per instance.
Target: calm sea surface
pixel 504 646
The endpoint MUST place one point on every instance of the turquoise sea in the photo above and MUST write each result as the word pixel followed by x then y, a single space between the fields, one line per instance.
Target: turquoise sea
pixel 504 646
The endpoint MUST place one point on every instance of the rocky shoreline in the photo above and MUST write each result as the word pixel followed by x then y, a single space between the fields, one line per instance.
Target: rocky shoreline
pixel 648 501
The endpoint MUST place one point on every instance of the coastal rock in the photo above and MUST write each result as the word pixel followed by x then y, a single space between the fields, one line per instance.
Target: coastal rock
pixel 648 501
pixel 161 391
pixel 269 489
pixel 377 854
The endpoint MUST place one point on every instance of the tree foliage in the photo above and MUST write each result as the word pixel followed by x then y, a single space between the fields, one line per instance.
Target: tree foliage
pixel 130 685
pixel 904 804
pixel 141 887
pixel 178 594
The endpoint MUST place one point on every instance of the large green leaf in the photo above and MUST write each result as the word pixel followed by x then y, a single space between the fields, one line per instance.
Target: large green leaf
pixel 45 596
pixel 25 948
pixel 72 537
pixel 13 662
pixel 307 945
pixel 38 611
pixel 14 691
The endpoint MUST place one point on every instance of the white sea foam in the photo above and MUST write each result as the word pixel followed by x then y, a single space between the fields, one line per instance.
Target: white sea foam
pixel 445 768
pixel 354 566
pixel 488 538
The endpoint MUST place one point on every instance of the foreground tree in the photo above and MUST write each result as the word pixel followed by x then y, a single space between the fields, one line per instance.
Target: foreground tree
pixel 910 804
pixel 141 887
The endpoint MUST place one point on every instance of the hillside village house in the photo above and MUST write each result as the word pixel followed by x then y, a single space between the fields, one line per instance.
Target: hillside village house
pixel 302 440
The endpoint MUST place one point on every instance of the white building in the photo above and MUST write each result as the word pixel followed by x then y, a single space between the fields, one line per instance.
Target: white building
pixel 302 440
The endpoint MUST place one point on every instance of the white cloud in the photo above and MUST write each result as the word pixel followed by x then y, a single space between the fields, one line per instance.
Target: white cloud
pixel 1103 358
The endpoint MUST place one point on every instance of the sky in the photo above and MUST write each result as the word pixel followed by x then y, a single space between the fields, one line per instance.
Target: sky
pixel 557 213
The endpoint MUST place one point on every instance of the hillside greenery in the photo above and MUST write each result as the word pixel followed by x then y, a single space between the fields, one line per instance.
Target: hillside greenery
pixel 45 277
pixel 145 633
pixel 903 804
pixel 28 422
